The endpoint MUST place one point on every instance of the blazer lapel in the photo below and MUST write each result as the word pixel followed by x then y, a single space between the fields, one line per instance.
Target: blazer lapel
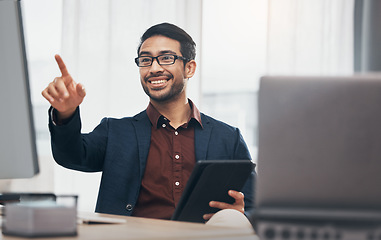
pixel 201 138
pixel 143 135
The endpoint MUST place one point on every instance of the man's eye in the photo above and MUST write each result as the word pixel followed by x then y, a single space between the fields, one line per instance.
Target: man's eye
pixel 145 59
pixel 167 58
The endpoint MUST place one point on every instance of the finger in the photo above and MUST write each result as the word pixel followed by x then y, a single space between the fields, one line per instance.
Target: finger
pixel 51 94
pixel 207 216
pixel 236 195
pixel 220 205
pixel 239 206
pixel 47 96
pixel 61 88
pixel 239 198
pixel 52 91
pixel 81 90
pixel 61 65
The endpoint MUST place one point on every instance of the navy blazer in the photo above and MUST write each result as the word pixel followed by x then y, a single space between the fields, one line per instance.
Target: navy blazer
pixel 119 148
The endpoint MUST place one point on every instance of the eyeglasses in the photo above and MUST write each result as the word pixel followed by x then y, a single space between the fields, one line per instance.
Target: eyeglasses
pixel 166 59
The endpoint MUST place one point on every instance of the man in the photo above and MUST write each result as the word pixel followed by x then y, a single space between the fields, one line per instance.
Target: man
pixel 147 159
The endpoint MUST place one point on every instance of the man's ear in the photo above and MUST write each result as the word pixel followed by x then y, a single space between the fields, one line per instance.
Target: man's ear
pixel 190 68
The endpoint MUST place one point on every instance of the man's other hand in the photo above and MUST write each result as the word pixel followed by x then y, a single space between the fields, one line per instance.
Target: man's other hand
pixel 239 204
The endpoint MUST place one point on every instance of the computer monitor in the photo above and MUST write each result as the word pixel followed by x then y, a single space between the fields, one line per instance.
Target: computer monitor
pixel 18 152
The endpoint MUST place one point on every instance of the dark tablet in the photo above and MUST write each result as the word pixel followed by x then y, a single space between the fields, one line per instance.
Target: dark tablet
pixel 211 180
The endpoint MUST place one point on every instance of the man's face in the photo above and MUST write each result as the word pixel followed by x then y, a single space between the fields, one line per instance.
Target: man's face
pixel 163 82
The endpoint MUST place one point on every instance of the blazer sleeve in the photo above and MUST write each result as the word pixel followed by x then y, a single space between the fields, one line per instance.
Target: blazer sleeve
pixel 73 150
pixel 242 152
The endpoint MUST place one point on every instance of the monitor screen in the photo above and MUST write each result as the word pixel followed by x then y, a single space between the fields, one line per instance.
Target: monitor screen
pixel 18 153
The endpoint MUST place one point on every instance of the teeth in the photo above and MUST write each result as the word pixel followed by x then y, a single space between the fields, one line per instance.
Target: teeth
pixel 158 81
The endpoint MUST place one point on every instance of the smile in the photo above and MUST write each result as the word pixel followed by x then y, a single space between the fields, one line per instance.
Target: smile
pixel 158 81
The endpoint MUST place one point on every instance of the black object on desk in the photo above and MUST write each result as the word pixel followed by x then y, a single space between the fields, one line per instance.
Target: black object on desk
pixel 210 181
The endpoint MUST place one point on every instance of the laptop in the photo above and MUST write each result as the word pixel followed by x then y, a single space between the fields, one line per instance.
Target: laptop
pixel 319 148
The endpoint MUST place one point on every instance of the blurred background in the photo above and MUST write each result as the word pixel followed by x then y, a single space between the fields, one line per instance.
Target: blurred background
pixel 238 41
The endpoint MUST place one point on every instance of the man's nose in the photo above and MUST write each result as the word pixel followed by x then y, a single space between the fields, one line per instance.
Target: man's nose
pixel 156 67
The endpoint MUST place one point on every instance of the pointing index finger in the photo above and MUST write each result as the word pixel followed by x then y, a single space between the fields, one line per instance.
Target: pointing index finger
pixel 61 65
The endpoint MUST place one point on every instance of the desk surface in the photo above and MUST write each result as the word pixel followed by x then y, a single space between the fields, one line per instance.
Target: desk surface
pixel 144 228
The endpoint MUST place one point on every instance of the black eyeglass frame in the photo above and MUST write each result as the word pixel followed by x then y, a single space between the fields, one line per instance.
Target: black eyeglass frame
pixel 157 59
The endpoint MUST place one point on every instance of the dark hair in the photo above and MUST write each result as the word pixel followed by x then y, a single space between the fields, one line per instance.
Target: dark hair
pixel 187 45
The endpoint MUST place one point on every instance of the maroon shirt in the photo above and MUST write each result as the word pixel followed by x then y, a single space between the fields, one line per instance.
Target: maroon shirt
pixel 170 161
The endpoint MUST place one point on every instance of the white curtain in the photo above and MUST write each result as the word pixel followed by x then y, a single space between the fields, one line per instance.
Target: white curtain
pixel 310 37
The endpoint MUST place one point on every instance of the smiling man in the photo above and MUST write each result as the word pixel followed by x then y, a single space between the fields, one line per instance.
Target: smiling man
pixel 146 159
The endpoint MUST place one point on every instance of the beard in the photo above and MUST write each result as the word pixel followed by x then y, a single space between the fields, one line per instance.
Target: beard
pixel 167 94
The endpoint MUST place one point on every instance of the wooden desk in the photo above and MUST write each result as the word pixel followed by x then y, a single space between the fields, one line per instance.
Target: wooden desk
pixel 144 228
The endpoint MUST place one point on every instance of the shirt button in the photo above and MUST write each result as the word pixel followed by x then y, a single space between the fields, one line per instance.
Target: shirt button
pixel 176 133
pixel 129 207
pixel 177 156
pixel 163 125
pixel 177 183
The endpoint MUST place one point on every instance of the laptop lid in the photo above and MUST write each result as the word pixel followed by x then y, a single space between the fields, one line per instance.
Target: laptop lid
pixel 319 146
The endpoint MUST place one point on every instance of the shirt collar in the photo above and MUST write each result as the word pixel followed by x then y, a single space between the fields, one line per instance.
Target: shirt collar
pixel 154 116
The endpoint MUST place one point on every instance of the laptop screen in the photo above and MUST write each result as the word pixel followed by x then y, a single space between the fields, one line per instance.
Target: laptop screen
pixel 319 143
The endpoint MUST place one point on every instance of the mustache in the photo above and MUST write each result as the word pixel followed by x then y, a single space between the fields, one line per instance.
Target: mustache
pixel 168 75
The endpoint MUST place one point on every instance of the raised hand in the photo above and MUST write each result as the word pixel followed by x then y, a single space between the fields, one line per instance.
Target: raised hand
pixel 64 94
